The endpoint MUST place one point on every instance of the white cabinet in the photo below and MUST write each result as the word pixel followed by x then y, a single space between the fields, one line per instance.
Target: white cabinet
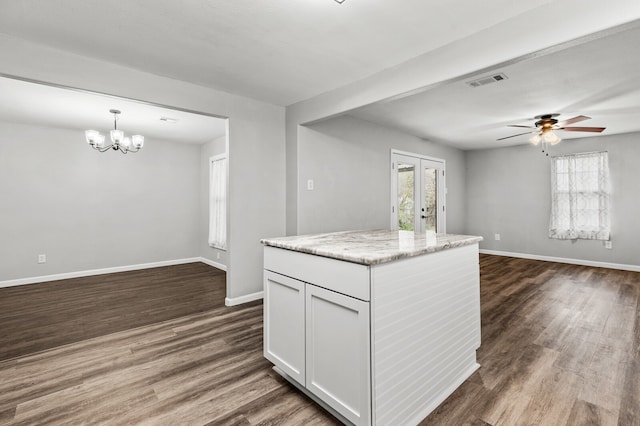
pixel 380 344
pixel 284 334
pixel 338 368
pixel 321 339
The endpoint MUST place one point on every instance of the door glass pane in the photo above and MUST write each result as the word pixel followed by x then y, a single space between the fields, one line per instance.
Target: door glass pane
pixel 406 198
pixel 431 199
pixel 417 196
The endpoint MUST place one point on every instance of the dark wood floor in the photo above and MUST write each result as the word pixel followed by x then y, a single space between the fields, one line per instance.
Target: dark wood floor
pixel 46 315
pixel 560 346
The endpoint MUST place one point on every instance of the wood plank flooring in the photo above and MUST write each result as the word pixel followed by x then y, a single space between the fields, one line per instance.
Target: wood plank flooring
pixel 560 346
pixel 41 316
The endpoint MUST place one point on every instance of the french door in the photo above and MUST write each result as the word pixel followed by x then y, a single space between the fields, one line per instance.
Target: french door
pixel 417 193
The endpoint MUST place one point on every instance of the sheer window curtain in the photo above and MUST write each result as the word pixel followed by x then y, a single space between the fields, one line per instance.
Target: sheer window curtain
pixel 218 201
pixel 580 197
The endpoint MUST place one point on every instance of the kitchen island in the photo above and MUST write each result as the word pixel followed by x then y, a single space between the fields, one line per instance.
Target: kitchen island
pixel 379 327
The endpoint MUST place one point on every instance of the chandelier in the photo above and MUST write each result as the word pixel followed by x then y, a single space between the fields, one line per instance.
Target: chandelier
pixel 119 142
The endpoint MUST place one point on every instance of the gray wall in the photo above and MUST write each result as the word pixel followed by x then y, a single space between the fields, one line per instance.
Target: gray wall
pixel 516 37
pixel 348 159
pixel 86 210
pixel 208 150
pixel 508 192
pixel 256 142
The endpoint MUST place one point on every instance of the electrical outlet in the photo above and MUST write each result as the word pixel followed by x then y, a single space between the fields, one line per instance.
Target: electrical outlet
pixel 42 258
pixel 310 185
pixel 496 237
pixel 218 255
pixel 608 245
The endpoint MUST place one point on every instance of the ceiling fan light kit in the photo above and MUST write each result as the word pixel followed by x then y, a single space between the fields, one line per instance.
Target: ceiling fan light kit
pixel 551 138
pixel 545 126
pixel 119 142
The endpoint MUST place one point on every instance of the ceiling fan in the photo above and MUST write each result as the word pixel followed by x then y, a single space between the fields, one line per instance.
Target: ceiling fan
pixel 547 123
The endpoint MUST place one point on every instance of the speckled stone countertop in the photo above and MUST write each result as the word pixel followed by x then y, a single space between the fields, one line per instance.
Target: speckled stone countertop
pixel 370 247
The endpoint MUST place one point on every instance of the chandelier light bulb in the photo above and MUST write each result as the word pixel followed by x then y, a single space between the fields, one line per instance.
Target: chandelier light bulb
pixel 91 136
pixel 138 141
pixel 99 140
pixel 117 136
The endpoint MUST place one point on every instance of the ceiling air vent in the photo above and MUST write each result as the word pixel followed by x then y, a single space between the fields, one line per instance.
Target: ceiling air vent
pixel 487 80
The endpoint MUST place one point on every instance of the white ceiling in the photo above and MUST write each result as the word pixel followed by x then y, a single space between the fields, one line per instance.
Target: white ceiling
pixel 599 79
pixel 29 103
pixel 285 51
pixel 279 51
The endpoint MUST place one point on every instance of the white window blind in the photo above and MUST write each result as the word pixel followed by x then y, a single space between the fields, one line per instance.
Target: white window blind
pixel 580 197
pixel 218 201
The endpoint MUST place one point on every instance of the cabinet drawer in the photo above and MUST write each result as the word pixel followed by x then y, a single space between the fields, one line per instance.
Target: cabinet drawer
pixel 347 278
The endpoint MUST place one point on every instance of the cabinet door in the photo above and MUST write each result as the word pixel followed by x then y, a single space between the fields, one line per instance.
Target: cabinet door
pixel 338 363
pixel 284 324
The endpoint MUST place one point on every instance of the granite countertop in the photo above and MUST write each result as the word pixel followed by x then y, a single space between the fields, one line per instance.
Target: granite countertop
pixel 370 247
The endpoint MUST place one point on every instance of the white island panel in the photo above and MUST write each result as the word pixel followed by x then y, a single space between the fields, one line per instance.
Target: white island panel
pixel 425 331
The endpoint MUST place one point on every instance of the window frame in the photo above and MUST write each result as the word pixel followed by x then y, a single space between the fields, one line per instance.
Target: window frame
pixel 218 237
pixel 580 199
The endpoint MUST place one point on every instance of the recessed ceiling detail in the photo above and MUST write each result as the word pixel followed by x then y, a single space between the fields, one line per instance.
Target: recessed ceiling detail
pixel 568 80
pixel 39 104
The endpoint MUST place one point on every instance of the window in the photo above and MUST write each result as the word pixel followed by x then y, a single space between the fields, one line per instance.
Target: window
pixel 580 197
pixel 218 201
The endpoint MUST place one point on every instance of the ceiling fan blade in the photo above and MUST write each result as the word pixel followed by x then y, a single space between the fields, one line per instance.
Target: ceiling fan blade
pixel 575 119
pixel 583 129
pixel 519 134
pixel 518 125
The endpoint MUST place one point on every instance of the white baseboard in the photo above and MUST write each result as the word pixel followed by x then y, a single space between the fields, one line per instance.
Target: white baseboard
pixel 229 301
pixel 213 263
pixel 620 266
pixel 91 272
pixel 233 301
